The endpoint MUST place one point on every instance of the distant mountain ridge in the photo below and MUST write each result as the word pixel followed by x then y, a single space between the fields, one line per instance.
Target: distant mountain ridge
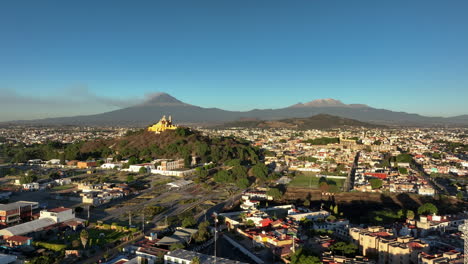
pixel 320 121
pixel 328 102
pixel 160 104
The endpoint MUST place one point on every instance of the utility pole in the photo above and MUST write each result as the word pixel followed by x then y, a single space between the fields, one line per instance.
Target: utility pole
pixel 88 211
pixel 464 228
pixel 130 219
pixel 216 235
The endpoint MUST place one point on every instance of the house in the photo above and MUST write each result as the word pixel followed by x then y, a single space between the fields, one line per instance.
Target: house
pixel 446 257
pixel 17 241
pixel 181 235
pixel 63 181
pixel 33 186
pixel 312 215
pixel 54 162
pixel 86 164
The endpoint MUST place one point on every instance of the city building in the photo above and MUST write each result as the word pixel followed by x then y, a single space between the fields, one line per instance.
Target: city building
pixel 16 212
pixel 171 165
pixel 48 218
pixel 379 242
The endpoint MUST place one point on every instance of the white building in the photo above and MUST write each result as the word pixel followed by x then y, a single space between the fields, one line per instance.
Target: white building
pixel 137 167
pixel 46 219
pixel 176 173
pixel 111 166
pixel 59 215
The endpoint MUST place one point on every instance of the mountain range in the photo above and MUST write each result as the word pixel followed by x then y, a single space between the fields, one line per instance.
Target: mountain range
pixel 160 104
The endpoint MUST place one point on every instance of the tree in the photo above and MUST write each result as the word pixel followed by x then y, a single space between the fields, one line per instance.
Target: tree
pixel 233 162
pixel 195 260
pixel 132 161
pixel 223 176
pixel 143 170
pixel 239 171
pixel 84 236
pixel 130 178
pixel 344 248
pixel 427 208
pixel 307 203
pixel 410 215
pixel 62 159
pixel 303 257
pixel 243 183
pixel 376 183
pixel 276 193
pixel 202 234
pixel 188 221
pixel 250 222
pixel 176 246
pixel 460 195
pixel 260 171
pixel 183 131
pixel 335 210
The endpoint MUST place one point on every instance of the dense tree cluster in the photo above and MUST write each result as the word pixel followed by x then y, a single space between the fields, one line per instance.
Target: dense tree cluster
pixel 302 256
pixel 427 208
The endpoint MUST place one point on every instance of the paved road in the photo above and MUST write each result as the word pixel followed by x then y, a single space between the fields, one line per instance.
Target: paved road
pixel 349 183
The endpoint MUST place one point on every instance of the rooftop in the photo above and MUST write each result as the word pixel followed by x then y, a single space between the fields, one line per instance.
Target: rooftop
pixel 205 259
pixel 15 205
pixel 59 209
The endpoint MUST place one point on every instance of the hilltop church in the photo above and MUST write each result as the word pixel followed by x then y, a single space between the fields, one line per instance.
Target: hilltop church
pixel 163 125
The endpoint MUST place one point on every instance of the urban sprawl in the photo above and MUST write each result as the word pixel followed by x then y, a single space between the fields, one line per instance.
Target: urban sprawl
pixel 232 195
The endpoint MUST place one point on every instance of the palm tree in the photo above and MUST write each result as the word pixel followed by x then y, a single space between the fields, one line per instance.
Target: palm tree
pixel 195 260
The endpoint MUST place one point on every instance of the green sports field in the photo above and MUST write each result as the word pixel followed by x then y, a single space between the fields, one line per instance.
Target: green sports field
pixel 304 181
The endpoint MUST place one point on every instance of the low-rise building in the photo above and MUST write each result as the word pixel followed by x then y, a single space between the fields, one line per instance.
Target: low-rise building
pixel 187 257
pixel 16 212
pixel 86 164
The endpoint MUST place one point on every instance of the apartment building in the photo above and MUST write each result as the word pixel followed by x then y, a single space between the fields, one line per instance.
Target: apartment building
pixel 381 243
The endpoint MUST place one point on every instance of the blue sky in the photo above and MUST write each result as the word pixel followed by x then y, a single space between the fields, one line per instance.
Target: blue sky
pixel 64 58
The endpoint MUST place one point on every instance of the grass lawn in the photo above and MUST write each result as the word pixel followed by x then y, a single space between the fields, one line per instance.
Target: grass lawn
pixel 305 181
pixel 97 239
pixel 64 187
